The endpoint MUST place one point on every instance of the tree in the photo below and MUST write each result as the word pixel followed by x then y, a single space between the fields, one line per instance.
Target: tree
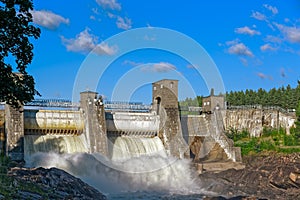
pixel 297 122
pixel 15 31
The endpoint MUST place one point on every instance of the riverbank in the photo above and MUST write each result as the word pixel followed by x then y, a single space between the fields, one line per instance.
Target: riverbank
pixel 40 183
pixel 265 176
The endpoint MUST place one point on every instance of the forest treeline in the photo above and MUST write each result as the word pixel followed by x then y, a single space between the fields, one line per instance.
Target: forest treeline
pixel 285 97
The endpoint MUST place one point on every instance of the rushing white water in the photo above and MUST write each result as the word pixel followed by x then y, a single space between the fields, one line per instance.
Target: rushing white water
pixel 54 143
pixel 149 169
pixel 154 173
pixel 125 148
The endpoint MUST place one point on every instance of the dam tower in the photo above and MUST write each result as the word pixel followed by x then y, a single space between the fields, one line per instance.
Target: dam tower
pixel 165 103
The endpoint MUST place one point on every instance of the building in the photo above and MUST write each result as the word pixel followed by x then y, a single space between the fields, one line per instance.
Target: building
pixel 212 102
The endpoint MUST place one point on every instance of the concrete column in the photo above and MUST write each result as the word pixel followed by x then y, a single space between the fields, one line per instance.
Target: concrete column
pixel 165 98
pixel 94 121
pixel 14 130
pixel 2 132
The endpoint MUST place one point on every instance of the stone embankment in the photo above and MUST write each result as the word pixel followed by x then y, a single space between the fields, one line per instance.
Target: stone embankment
pixel 255 119
pixel 274 176
pixel 51 183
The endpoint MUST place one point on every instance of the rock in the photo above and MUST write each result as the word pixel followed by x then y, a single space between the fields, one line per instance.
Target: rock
pixel 295 177
pixel 40 183
pixel 270 176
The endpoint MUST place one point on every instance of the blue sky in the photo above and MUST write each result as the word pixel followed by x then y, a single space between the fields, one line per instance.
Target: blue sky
pixel 252 43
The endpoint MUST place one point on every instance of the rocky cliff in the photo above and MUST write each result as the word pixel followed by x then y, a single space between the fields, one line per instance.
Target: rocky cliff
pixel 255 119
pixel 40 183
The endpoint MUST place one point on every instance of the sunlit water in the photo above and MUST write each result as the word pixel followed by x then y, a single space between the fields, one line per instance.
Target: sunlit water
pixel 142 175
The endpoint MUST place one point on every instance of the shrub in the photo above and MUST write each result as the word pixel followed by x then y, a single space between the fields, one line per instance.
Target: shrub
pixel 235 135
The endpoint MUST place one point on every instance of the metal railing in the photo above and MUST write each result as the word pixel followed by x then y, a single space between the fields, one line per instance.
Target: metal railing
pixel 63 103
pixel 278 108
pixel 127 106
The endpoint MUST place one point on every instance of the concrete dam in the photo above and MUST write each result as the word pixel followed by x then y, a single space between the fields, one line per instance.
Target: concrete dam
pixel 117 134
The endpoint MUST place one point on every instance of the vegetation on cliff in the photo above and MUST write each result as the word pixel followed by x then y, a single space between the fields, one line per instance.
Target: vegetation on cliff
pixel 270 140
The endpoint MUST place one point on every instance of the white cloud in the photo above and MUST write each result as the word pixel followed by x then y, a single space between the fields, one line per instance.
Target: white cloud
pixel 86 42
pixel 111 15
pixel 268 47
pixel 258 16
pixel 48 19
pixel 132 63
pixel 273 39
pixel 240 49
pixel 232 42
pixel 286 20
pixel 264 76
pixel 244 61
pixel 109 4
pixel 292 34
pixel 273 9
pixel 95 11
pixel 161 67
pixel 246 30
pixel 124 23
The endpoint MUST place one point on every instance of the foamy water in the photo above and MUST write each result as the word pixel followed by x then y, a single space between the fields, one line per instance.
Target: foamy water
pixel 139 168
pixel 145 173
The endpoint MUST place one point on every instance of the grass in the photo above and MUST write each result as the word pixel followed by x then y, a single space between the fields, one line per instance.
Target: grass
pixel 9 186
pixel 271 140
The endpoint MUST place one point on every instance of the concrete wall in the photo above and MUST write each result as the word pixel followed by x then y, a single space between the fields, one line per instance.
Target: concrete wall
pixel 41 122
pixel 203 134
pixel 254 120
pixel 195 125
pixel 14 133
pixel 134 123
pixel 2 131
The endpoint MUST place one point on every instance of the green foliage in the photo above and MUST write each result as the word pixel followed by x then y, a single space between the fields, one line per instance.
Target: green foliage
pixel 9 186
pixel 285 97
pixel 247 146
pixel 197 101
pixel 235 135
pixel 267 145
pixel 271 140
pixel 184 104
pixel 15 31
pixel 255 145
pixel 288 150
pixel 297 123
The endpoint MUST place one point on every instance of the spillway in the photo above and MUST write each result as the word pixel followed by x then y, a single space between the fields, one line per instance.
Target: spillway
pixel 61 144
pixel 129 147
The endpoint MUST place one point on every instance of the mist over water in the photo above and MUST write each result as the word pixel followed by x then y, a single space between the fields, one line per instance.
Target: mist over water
pixel 153 174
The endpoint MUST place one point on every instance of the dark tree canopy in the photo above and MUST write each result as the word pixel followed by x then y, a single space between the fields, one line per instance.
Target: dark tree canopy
pixel 285 97
pixel 15 30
